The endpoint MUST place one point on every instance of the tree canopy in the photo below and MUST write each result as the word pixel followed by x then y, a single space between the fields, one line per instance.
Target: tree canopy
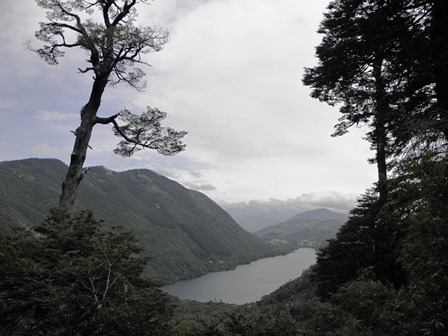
pixel 72 277
pixel 361 59
pixel 107 31
pixel 115 44
pixel 386 266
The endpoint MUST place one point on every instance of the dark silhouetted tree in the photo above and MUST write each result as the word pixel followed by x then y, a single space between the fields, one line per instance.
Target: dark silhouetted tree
pixel 387 266
pixel 373 63
pixel 354 70
pixel 115 46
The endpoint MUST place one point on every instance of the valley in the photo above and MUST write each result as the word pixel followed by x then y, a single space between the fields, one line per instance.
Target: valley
pixel 184 233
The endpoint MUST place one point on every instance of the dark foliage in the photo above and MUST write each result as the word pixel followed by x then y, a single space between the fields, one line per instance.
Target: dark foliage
pixel 370 239
pixel 71 277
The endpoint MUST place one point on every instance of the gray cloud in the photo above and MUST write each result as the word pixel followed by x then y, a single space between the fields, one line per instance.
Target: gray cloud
pixel 199 186
pixel 196 174
pixel 333 200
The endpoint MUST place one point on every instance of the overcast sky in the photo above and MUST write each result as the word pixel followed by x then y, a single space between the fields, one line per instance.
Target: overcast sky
pixel 230 76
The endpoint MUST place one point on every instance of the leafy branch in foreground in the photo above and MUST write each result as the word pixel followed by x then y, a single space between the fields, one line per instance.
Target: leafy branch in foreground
pixel 145 131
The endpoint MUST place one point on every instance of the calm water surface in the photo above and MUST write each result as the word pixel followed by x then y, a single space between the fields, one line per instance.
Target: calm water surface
pixel 246 283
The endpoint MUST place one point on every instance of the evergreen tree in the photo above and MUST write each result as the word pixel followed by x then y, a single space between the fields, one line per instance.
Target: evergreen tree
pixel 74 278
pixel 354 70
pixel 387 267
pixel 357 69
pixel 370 240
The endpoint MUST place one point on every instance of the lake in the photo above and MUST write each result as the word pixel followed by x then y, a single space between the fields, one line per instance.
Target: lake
pixel 246 283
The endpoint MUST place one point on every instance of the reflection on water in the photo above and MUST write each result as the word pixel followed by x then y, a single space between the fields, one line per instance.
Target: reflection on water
pixel 246 283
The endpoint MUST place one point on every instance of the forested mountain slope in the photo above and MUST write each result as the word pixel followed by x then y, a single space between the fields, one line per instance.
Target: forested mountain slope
pixel 307 229
pixel 184 232
pixel 321 214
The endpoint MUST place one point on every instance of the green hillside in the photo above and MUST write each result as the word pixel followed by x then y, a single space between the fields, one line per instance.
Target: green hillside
pixel 184 232
pixel 309 229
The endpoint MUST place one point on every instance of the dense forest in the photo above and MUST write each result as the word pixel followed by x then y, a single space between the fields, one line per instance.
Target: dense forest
pixel 384 63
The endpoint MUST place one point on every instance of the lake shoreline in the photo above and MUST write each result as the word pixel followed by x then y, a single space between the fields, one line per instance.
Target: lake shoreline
pixel 246 283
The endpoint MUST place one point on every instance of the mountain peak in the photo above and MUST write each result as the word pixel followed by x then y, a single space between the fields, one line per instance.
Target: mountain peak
pixel 320 214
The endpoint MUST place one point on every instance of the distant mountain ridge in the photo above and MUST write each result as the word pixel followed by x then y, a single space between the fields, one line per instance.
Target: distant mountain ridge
pixel 321 214
pixel 254 216
pixel 184 232
pixel 254 219
pixel 308 229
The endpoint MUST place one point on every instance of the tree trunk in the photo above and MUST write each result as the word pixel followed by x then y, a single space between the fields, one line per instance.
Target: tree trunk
pixel 380 139
pixel 79 153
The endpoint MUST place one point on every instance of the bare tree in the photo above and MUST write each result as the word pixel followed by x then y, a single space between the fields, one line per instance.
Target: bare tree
pixel 115 45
